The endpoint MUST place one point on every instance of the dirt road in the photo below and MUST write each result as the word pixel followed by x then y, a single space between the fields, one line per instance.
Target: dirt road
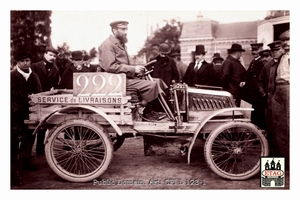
pixel 131 169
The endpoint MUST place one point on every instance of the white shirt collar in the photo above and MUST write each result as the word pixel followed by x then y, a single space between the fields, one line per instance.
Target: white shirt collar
pixel 24 74
pixel 257 58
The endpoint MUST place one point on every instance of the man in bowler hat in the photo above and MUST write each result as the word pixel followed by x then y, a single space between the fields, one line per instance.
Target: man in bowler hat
pixel 217 61
pixel 76 64
pixel 199 72
pixel 166 70
pixel 233 73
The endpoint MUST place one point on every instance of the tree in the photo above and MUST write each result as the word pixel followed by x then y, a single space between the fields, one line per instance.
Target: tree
pixel 93 53
pixel 169 34
pixel 30 31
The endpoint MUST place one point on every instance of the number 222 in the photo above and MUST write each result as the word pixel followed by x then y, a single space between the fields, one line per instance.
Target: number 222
pixel 102 85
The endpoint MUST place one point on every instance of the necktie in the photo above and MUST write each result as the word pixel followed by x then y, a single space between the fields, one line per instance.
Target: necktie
pixel 198 65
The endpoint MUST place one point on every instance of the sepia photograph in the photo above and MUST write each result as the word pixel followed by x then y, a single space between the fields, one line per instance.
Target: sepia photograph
pixel 150 99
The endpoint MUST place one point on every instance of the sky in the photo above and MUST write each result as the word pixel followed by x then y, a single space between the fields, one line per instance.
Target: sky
pixel 85 29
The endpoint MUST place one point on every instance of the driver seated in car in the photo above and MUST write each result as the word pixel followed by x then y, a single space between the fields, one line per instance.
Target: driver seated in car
pixel 113 58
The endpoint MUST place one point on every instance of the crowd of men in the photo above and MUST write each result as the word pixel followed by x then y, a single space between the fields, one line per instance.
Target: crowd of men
pixel 265 84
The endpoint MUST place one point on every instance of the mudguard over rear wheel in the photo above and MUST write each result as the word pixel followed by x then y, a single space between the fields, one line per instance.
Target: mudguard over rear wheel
pixel 233 150
pixel 78 150
pixel 117 140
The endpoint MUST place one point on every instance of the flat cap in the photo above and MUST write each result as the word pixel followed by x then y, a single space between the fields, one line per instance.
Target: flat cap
pixel 276 45
pixel 118 24
pixel 265 52
pixel 51 49
pixel 256 46
pixel 285 35
pixel 22 55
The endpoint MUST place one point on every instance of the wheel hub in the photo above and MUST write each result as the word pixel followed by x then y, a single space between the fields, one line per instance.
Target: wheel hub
pixel 77 150
pixel 237 150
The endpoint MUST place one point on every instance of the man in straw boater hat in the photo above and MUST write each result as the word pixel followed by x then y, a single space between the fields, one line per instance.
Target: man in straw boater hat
pixel 23 83
pixel 113 58
pixel 233 73
pixel 199 72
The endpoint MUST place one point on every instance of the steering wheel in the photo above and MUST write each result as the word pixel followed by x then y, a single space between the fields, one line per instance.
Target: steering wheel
pixel 148 71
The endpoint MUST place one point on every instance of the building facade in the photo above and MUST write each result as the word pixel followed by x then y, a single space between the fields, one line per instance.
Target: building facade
pixel 270 29
pixel 217 38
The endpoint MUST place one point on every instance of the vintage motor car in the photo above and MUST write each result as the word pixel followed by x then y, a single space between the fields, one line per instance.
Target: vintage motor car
pixel 88 123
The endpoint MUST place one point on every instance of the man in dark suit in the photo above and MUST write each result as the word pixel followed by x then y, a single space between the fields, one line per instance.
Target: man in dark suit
pixel 166 70
pixel 266 87
pixel 77 64
pixel 233 73
pixel 23 83
pixel 199 72
pixel 217 66
pixel 165 67
pixel 252 95
pixel 48 74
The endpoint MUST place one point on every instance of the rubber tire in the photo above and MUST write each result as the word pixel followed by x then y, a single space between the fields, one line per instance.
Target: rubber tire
pixel 59 170
pixel 241 176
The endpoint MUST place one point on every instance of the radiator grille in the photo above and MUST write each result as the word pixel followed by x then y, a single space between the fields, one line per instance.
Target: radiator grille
pixel 208 102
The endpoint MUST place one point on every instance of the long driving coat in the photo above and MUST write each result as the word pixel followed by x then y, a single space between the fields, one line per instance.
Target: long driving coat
pixel 203 76
pixel 113 58
pixel 48 79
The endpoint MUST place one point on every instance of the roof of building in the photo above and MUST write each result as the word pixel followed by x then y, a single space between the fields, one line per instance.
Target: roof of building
pixel 203 28
pixel 210 28
pixel 237 30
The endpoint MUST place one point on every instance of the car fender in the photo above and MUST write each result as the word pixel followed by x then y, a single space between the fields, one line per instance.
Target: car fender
pixel 91 108
pixel 209 117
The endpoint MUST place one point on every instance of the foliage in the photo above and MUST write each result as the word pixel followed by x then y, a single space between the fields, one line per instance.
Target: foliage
pixel 64 50
pixel 30 31
pixel 93 53
pixel 168 34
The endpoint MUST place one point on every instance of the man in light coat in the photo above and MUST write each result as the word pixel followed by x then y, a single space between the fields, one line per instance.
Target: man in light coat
pixel 113 58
